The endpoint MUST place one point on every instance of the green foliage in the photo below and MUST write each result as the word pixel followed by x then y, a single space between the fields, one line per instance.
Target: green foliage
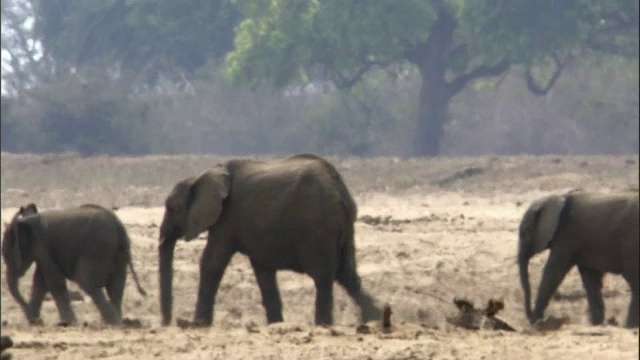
pixel 152 39
pixel 280 40
pixel 527 31
pixel 452 43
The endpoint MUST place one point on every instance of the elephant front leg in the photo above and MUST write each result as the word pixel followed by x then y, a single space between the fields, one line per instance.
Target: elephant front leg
pixel 57 284
pixel 38 292
pixel 554 272
pixel 63 303
pixel 268 284
pixel 214 261
pixel 592 281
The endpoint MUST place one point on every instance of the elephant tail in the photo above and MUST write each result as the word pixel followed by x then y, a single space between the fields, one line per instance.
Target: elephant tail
pixel 133 271
pixel 127 250
pixel 347 273
pixel 135 278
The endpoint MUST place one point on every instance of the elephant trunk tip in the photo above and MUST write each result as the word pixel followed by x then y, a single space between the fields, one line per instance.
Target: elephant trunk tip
pixel 523 263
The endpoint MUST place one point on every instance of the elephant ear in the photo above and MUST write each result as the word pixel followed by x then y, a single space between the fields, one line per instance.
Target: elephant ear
pixel 9 241
pixel 548 216
pixel 29 209
pixel 24 230
pixel 205 201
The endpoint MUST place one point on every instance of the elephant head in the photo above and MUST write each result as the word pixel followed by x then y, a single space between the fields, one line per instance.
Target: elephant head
pixel 537 230
pixel 16 247
pixel 192 207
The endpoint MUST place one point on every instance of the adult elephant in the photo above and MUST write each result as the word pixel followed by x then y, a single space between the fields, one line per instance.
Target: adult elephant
pixel 293 213
pixel 597 232
pixel 86 244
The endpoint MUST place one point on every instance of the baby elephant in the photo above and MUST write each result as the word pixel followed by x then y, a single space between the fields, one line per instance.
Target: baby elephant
pixel 87 244
pixel 598 233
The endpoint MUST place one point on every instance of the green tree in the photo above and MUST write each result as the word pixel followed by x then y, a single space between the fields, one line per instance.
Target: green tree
pixel 450 42
pixel 150 40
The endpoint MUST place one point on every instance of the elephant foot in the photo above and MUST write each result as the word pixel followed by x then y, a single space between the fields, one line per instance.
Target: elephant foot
pixel 535 317
pixel 274 320
pixel 196 323
pixel 68 321
pixel 114 323
pixel 370 313
pixel 36 322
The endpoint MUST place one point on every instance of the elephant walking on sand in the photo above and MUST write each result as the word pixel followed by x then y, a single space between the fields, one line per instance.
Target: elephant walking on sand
pixel 87 244
pixel 597 232
pixel 293 213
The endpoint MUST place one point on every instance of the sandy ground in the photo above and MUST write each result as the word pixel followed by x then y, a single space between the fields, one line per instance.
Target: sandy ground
pixel 447 228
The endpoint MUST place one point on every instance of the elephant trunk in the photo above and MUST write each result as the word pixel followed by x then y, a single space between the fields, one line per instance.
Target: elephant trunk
pixel 523 263
pixel 167 245
pixel 12 283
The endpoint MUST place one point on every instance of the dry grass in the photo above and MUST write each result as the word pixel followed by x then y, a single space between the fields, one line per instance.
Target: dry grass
pixel 69 179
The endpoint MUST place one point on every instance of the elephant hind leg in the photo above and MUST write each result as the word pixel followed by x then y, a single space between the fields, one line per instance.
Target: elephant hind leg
pixel 108 312
pixel 350 281
pixel 632 276
pixel 115 290
pixel 633 314
pixel 268 284
pixel 592 281
pixel 633 317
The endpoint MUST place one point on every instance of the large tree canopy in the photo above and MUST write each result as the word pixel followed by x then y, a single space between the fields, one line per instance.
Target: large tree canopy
pixel 145 38
pixel 451 42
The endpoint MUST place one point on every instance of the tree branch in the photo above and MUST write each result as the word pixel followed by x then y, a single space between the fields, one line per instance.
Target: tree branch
pixel 457 84
pixel 609 47
pixel 535 88
pixel 343 82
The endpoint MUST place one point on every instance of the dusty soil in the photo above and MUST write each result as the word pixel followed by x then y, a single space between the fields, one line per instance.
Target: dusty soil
pixel 429 231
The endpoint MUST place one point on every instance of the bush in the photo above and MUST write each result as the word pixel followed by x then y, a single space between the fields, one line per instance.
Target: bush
pixel 73 114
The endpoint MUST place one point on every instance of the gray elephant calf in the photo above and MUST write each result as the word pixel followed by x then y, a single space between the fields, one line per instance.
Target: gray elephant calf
pixel 597 232
pixel 87 244
pixel 293 213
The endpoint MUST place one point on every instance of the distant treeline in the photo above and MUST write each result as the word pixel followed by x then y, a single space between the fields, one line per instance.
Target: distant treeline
pixel 592 110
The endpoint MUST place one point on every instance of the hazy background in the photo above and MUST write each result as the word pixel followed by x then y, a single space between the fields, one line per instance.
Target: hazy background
pixel 142 77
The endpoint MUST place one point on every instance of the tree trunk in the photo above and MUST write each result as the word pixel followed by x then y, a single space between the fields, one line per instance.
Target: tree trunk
pixel 431 57
pixel 432 115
